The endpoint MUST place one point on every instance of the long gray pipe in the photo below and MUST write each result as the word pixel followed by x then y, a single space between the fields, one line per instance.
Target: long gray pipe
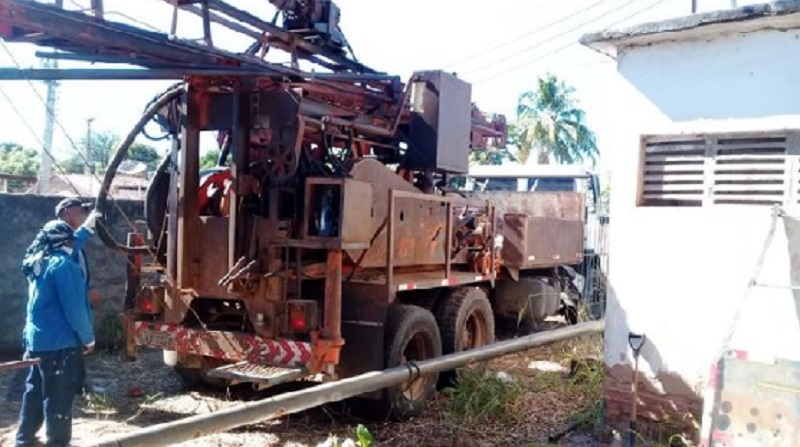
pixel 249 413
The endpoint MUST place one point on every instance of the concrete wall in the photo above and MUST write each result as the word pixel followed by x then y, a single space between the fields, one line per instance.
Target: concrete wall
pixel 678 274
pixel 22 217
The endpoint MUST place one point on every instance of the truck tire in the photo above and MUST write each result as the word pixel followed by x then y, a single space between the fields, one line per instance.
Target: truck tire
pixel 411 335
pixel 465 320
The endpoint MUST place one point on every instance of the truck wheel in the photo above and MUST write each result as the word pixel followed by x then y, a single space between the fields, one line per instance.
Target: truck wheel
pixel 465 320
pixel 411 335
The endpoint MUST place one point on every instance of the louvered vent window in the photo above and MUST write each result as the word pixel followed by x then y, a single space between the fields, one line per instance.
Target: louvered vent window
pixel 743 169
pixel 674 172
pixel 750 170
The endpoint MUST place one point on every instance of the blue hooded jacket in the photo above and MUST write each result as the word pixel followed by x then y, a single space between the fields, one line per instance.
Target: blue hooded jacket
pixel 58 314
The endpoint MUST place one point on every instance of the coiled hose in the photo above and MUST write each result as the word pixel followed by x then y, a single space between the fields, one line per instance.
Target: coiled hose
pixel 165 98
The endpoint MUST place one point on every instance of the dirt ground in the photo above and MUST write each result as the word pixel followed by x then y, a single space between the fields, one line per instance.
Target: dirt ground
pixel 127 396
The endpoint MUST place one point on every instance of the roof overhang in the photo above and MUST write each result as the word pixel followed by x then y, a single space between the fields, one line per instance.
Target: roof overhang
pixel 781 15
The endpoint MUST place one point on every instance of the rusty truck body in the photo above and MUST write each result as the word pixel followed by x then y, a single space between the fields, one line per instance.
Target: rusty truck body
pixel 324 244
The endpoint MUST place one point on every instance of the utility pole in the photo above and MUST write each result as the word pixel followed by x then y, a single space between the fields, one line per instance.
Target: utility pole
pixel 45 164
pixel 45 169
pixel 88 168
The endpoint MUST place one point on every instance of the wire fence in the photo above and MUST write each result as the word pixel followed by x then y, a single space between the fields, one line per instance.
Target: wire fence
pixel 595 267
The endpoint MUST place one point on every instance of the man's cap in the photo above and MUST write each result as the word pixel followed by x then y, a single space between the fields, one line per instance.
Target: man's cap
pixel 70 202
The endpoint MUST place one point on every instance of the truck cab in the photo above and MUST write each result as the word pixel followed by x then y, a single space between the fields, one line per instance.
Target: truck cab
pixel 588 276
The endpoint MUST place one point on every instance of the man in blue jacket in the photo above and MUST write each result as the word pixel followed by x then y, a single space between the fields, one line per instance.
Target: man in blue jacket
pixel 75 212
pixel 58 331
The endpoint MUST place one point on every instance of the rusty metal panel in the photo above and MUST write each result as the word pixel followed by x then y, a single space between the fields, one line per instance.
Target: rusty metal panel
pixel 213 252
pixel 530 242
pixel 757 404
pixel 382 180
pixel 356 211
pixel 419 231
pixel 561 205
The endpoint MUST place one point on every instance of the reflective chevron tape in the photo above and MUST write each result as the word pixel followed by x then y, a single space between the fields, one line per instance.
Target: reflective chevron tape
pixel 230 346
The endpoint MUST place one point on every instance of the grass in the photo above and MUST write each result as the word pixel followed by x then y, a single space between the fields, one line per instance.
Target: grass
pixel 361 438
pixel 101 404
pixel 113 334
pixel 481 396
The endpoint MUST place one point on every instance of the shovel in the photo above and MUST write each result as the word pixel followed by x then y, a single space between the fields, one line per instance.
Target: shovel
pixel 18 364
pixel 636 341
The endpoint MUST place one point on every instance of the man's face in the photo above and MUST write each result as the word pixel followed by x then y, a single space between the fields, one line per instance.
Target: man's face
pixel 74 216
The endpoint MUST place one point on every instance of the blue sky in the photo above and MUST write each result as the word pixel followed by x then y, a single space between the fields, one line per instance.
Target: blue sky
pixel 500 46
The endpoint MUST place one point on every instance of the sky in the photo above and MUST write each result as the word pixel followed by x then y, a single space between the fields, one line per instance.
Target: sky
pixel 500 47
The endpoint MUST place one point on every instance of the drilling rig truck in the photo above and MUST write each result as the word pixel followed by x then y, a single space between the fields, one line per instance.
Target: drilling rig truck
pixel 325 243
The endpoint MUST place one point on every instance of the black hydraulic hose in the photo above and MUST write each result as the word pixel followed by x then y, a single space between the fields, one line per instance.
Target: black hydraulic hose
pixel 156 200
pixel 111 172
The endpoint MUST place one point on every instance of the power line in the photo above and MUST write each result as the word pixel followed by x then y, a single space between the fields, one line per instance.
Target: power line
pixel 554 37
pixel 71 141
pixel 83 8
pixel 550 53
pixel 28 126
pixel 36 136
pixel 25 123
pixel 530 33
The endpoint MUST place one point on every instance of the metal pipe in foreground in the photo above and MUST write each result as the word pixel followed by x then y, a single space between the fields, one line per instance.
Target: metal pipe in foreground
pixel 202 425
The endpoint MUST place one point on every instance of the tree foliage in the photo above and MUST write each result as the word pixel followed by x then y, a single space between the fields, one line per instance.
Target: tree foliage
pixel 14 159
pixel 490 156
pixel 146 154
pixel 550 123
pixel 102 147
pixel 209 160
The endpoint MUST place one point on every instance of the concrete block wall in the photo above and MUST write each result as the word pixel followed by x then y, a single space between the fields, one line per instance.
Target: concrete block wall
pixel 22 216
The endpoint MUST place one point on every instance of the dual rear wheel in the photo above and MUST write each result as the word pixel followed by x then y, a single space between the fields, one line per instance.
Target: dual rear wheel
pixel 462 320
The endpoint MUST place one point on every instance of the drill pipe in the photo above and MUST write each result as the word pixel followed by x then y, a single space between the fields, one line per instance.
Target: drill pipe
pixel 249 413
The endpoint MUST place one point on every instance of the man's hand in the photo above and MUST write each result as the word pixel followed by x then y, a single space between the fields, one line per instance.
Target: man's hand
pixel 87 349
pixel 94 297
pixel 91 220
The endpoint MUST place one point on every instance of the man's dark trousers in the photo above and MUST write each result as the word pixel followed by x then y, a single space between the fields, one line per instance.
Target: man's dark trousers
pixel 49 392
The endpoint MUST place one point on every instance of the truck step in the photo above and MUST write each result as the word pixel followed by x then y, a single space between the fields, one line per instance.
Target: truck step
pixel 260 374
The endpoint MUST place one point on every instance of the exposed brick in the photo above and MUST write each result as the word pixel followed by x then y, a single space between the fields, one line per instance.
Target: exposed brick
pixel 676 412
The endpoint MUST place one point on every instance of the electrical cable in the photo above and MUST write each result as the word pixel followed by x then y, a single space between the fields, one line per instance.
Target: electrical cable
pixel 529 33
pixel 39 141
pixel 83 8
pixel 551 38
pixel 72 143
pixel 563 47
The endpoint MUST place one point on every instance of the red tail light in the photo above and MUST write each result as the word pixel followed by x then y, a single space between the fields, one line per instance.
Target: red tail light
pixel 301 315
pixel 147 305
pixel 146 302
pixel 298 322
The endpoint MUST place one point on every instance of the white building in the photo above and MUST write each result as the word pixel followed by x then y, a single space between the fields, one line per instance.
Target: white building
pixel 707 136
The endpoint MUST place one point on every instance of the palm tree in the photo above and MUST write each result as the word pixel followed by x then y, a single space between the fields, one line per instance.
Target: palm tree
pixel 550 122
